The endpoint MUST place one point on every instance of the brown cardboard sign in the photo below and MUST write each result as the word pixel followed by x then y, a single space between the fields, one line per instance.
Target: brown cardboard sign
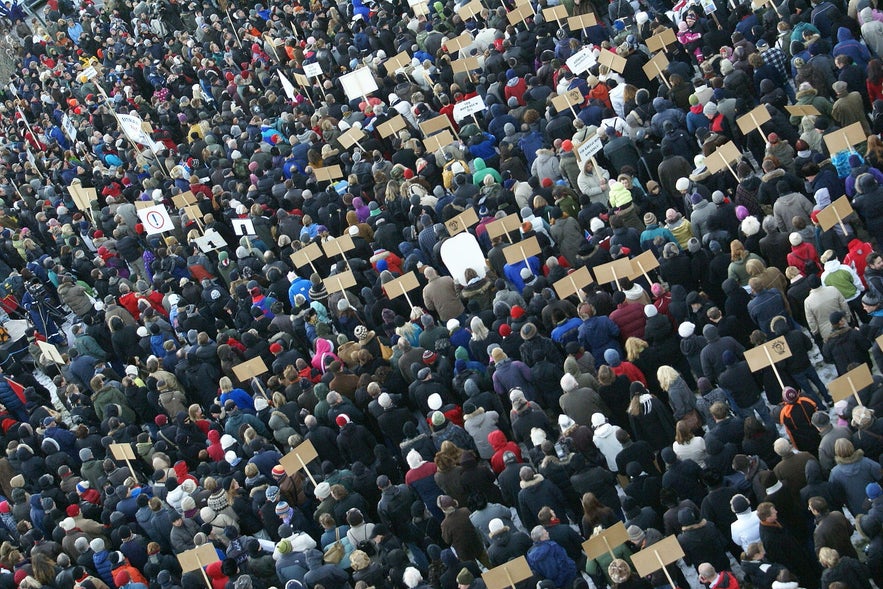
pixel 397 62
pixel 606 541
pixel 351 137
pixel 520 14
pixel 122 451
pixel 726 154
pixel 643 264
pixel 573 283
pixel 518 252
pixel 582 21
pixel 802 110
pixel 83 197
pixel 557 13
pixel 299 457
pixel 465 64
pixel 434 125
pixel 570 98
pixel 461 222
pixel 661 41
pixel 469 10
pixel 611 60
pixel 392 126
pixel 767 354
pixel 458 43
pixel 654 557
pixel 182 200
pixel 656 67
pixel 438 141
pixel 401 285
pixel 306 254
pixel 613 271
pixel 340 282
pixel 753 120
pixel 145 204
pixel 834 213
pixel 844 139
pixel 851 383
pixel 197 558
pixel 328 173
pixel 250 368
pixel 192 212
pixel 503 226
pixel 508 574
pixel 336 246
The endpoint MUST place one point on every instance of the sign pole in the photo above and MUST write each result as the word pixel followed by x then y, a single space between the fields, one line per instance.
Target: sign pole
pixel 839 220
pixel 665 570
pixel 615 278
pixel 854 391
pixel 775 370
pixel 342 255
pixel 732 171
pixel 306 470
pixel 407 298
pixel 526 263
pixel 609 549
pixel 233 26
pixel 509 577
pixel 202 570
pixel 661 75
pixel 644 272
pixel 595 169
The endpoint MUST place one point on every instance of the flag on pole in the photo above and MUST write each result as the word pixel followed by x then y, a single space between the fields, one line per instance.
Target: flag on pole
pixel 18 389
pixel 287 85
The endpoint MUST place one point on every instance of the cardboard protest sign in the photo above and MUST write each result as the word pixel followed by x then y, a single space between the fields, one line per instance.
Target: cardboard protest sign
pixel 567 100
pixel 339 282
pixel 612 60
pixel 508 574
pixel 397 62
pixel 661 41
pixel 753 120
pixel 210 241
pixel 656 67
pixel 573 283
pixel 469 10
pixel 249 368
pixel 834 213
pixel 851 383
pixel 582 21
pixel 643 264
pixel 844 139
pixel 328 173
pixel 458 43
pixel 519 14
pixel 51 352
pixel 306 255
pixel 298 459
pixel 503 226
pixel 723 158
pixel 656 556
pixel 613 271
pixel 182 200
pixel 351 137
pixel 556 13
pixel 435 124
pixel 461 222
pixel 801 110
pixel 465 65
pixel 392 126
pixel 606 541
pixel 769 354
pixel 336 246
pixel 401 286
pixel 522 250
pixel 438 141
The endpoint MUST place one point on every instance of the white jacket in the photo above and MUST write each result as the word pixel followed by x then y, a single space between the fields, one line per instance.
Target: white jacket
pixel 746 529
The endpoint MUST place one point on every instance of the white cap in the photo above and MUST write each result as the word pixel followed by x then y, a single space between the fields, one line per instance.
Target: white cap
pixel 434 401
pixel 495 525
pixel 650 311
pixel 132 370
pixel 686 329
pixel 598 419
pixel 682 184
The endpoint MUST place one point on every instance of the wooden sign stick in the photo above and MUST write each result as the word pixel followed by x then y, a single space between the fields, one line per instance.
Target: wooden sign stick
pixel 526 263
pixel 671 581
pixel 842 228
pixel 775 371
pixel 342 255
pixel 595 169
pixel 306 470
pixel 662 75
pixel 854 391
pixel 732 171
pixel 609 549
pixel 202 569
pixel 644 272
pixel 509 576
pixel 615 278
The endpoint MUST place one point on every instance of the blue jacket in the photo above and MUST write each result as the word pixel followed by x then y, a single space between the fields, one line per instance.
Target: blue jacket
pixel 11 401
pixel 598 334
pixel 848 46
pixel 513 272
pixel 242 399
pixel 104 568
pixel 548 560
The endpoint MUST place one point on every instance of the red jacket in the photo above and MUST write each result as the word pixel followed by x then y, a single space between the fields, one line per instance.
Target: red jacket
pixel 501 445
pixel 630 319
pixel 802 254
pixel 857 257
pixel 632 372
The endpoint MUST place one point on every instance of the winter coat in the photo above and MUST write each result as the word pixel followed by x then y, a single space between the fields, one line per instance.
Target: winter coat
pixel 653 423
pixel 479 425
pixel 789 206
pixel 581 404
pixel 458 531
pixel 605 440
pixel 548 560
pixel 536 494
pixel 852 475
pixel 702 542
pixel 819 305
pixel 74 296
pixel 507 545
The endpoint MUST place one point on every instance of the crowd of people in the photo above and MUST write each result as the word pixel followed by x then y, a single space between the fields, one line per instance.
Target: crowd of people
pixel 475 416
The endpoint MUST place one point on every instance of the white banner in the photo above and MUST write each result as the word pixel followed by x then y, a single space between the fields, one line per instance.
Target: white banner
pixel 589 148
pixel 581 61
pixel 155 219
pixel 68 127
pixel 312 70
pixel 468 107
pixel 131 125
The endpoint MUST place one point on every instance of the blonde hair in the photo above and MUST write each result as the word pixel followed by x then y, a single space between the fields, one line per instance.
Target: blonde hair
pixel 225 384
pixel 666 375
pixel 828 557
pixel 633 348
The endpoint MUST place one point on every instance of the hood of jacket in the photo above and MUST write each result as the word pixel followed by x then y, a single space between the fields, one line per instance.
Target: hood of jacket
pixel 497 439
pixel 843 34
pixel 710 333
pixel 544 154
pixel 479 164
